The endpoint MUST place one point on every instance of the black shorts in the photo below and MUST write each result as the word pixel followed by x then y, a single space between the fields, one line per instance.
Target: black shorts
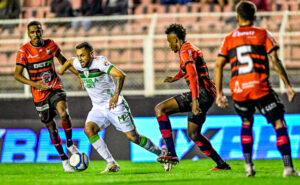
pixel 270 106
pixel 184 101
pixel 47 108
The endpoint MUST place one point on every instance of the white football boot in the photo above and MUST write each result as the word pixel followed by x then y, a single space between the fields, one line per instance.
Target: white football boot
pixel 167 166
pixel 290 171
pixel 67 167
pixel 111 167
pixel 73 149
pixel 250 171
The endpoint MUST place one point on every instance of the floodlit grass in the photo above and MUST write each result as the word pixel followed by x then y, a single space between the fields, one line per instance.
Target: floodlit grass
pixel 186 172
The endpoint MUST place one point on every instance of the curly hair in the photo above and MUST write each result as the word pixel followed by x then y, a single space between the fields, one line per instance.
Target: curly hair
pixel 177 29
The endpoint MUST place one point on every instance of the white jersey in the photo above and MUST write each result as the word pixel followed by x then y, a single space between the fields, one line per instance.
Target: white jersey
pixel 97 81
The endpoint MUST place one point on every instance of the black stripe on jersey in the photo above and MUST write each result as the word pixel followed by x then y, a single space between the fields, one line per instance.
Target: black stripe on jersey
pixel 254 69
pixel 187 62
pixel 255 49
pixel 35 75
pixel 221 55
pixel 274 48
pixel 90 71
pixel 40 65
pixel 20 64
pixel 200 61
pixel 255 61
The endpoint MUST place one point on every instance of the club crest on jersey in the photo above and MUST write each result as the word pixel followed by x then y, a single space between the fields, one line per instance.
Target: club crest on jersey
pixel 106 63
pixel 86 73
pixel 48 51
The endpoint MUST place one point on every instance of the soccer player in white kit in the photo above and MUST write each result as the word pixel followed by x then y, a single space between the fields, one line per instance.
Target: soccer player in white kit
pixel 109 105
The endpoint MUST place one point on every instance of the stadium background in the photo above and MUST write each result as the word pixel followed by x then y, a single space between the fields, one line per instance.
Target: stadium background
pixel 136 43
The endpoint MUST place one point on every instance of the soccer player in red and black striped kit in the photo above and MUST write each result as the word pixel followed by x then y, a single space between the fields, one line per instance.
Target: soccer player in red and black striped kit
pixel 196 102
pixel 248 49
pixel 37 56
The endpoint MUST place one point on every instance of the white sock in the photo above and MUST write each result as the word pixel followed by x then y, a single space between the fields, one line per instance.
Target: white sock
pixel 102 149
pixel 150 146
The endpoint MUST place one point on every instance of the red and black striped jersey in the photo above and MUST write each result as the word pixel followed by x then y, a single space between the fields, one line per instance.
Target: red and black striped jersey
pixel 246 49
pixel 39 62
pixel 194 70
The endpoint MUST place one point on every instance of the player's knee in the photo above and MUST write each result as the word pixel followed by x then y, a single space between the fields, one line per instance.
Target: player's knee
pixel 278 124
pixel 193 136
pixel 64 116
pixel 159 109
pixel 134 137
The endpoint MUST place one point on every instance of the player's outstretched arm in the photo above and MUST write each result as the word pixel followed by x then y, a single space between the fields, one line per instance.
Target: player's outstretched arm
pixel 66 66
pixel 62 60
pixel 20 77
pixel 221 100
pixel 119 76
pixel 282 74
pixel 175 78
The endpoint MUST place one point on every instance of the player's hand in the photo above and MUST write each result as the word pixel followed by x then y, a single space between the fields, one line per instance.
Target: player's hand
pixel 41 85
pixel 169 79
pixel 290 93
pixel 113 102
pixel 195 107
pixel 221 101
pixel 81 82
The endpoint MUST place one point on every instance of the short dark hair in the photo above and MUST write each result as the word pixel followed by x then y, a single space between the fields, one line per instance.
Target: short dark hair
pixel 86 46
pixel 246 10
pixel 177 29
pixel 34 23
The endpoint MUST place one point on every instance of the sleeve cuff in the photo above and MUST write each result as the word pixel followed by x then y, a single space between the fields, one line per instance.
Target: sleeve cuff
pixel 110 67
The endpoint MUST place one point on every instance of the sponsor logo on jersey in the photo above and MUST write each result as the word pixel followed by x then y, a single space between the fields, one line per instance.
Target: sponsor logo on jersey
pixel 237 88
pixel 42 64
pixel 34 56
pixel 239 34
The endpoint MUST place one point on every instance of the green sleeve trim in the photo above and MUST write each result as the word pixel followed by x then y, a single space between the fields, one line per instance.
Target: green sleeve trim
pixel 110 69
pixel 94 138
pixel 143 141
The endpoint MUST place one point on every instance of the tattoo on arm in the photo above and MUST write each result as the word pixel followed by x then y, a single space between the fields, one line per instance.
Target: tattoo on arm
pixel 280 70
pixel 119 84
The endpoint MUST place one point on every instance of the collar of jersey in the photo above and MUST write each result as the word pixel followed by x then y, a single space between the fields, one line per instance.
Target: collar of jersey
pixel 182 45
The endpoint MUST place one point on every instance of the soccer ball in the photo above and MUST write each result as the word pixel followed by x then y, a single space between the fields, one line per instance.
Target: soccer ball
pixel 79 161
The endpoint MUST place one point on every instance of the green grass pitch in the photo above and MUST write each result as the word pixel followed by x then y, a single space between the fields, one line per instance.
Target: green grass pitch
pixel 186 172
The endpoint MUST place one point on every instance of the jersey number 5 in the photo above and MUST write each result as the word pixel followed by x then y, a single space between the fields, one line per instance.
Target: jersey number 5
pixel 244 59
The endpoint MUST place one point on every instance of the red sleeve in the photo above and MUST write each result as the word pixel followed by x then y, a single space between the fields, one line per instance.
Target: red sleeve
pixel 55 49
pixel 178 75
pixel 21 58
pixel 223 49
pixel 271 43
pixel 193 79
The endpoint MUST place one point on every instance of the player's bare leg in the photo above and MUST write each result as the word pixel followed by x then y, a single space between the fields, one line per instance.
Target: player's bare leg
pixel 284 147
pixel 66 123
pixel 56 140
pixel 194 132
pixel 162 110
pixel 91 130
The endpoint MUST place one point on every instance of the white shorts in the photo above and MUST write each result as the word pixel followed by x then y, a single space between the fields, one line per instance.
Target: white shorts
pixel 120 117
